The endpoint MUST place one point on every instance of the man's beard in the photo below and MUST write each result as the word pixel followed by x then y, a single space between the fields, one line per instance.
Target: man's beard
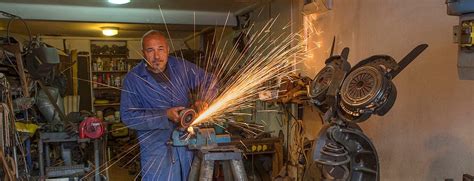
pixel 155 68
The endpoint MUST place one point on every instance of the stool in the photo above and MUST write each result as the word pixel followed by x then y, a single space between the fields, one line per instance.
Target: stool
pixel 202 167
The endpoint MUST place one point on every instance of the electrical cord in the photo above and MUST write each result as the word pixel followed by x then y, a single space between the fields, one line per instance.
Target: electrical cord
pixel 297 139
pixel 12 19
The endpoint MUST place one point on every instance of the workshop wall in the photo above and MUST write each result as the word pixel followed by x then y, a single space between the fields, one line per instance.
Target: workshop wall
pixel 428 133
pixel 288 20
pixel 83 44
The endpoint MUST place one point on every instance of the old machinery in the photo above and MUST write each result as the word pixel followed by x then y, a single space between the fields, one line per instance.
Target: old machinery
pixel 347 96
pixel 368 89
pixel 327 81
pixel 462 35
pixel 91 127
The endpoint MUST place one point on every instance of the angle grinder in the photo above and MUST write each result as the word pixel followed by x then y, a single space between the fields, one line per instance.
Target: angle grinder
pixel 186 118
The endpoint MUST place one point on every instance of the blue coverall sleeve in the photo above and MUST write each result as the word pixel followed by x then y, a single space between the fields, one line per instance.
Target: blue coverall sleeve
pixel 206 82
pixel 134 115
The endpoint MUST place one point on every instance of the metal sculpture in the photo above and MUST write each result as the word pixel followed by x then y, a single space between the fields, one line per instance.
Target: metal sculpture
pixel 347 96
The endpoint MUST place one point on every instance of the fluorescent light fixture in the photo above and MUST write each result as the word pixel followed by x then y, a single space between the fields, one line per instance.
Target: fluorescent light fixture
pixel 118 1
pixel 109 31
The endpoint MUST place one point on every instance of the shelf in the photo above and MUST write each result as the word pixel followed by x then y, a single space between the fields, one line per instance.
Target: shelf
pixel 109 104
pixel 259 152
pixel 110 55
pixel 106 88
pixel 111 71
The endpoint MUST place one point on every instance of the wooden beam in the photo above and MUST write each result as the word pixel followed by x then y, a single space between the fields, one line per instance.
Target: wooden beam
pixel 15 49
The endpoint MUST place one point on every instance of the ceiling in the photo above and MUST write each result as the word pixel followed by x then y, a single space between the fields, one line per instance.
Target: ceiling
pixel 85 17
pixel 190 5
pixel 86 29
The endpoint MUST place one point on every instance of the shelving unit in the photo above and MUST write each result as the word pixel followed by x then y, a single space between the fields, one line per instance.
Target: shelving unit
pixel 109 65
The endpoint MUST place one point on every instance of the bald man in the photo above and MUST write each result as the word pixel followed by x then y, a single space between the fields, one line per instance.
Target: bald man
pixel 153 93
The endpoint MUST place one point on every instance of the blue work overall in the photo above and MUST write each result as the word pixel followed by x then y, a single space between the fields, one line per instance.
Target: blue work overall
pixel 143 106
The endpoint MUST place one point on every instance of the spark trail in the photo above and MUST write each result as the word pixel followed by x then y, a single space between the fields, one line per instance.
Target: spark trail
pixel 266 59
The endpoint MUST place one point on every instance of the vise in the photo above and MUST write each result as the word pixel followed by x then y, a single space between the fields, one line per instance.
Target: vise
pixel 197 136
pixel 201 137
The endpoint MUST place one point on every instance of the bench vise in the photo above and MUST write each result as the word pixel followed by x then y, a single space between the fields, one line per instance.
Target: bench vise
pixel 202 137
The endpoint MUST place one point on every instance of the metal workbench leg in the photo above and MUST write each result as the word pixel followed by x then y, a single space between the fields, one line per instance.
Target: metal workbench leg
pixel 238 170
pixel 194 173
pixel 41 157
pixel 207 169
pixel 96 159
pixel 227 169
pixel 46 153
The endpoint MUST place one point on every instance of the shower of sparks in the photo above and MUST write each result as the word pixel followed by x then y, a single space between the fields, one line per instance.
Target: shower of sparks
pixel 240 76
pixel 267 57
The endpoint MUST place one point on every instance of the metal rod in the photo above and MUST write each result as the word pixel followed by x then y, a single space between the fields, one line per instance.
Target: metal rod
pixel 96 159
pixel 408 59
pixel 41 155
pixel 15 159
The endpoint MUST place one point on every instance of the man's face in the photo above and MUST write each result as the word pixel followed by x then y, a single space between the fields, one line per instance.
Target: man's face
pixel 155 50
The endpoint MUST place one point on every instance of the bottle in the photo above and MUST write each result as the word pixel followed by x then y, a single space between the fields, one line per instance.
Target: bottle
pixel 117 81
pixel 112 80
pixel 114 65
pixel 121 65
pixel 94 81
pixel 100 64
pixel 108 79
pixel 117 116
pixel 99 80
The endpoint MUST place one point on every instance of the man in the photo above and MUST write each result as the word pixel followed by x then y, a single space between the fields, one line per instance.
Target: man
pixel 153 93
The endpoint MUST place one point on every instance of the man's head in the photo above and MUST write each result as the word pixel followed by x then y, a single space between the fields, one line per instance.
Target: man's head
pixel 155 50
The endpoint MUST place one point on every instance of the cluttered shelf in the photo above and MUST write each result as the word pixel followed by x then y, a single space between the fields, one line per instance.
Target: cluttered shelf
pixel 110 71
pixel 109 87
pixel 108 104
pixel 110 55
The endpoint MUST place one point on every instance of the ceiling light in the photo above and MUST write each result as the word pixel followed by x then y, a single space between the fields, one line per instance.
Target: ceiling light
pixel 118 1
pixel 109 31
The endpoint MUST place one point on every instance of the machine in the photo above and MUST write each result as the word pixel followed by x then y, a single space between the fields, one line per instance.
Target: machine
pixel 463 35
pixel 347 96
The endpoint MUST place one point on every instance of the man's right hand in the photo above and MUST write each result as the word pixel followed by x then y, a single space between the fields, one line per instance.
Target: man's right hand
pixel 173 113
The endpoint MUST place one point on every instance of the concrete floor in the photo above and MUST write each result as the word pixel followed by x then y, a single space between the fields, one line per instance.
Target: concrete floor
pixel 117 173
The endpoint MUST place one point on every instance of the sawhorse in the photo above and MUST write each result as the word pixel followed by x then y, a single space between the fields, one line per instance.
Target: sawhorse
pixel 202 168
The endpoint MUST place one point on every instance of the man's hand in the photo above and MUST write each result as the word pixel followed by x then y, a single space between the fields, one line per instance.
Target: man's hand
pixel 173 113
pixel 200 106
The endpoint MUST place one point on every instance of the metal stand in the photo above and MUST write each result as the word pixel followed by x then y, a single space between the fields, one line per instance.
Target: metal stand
pixel 46 170
pixel 202 167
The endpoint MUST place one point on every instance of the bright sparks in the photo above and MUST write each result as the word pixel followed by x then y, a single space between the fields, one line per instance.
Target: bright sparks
pixel 268 56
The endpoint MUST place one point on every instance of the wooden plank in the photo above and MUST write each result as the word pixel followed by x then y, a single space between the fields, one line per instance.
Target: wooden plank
pixel 74 72
pixel 15 49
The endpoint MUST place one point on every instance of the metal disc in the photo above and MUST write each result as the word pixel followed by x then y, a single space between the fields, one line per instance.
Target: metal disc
pixel 362 86
pixel 321 82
